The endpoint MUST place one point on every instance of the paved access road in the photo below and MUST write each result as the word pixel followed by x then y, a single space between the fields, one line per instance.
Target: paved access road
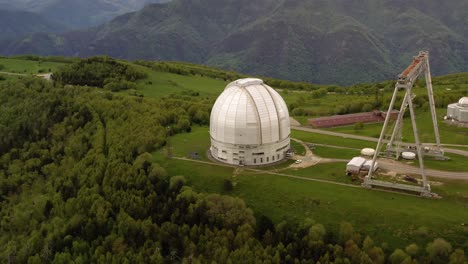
pixel 46 76
pixel 365 138
pixel 11 73
pixel 399 167
pixel 408 169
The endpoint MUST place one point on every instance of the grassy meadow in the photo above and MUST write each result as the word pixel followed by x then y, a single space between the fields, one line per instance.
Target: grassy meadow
pixel 169 83
pixel 448 134
pixel 395 218
pixel 23 66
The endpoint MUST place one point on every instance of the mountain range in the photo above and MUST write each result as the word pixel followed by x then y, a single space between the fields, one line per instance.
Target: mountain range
pixel 322 41
pixel 77 14
pixel 20 23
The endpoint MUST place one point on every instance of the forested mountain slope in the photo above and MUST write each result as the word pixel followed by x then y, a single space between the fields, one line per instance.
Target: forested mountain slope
pixel 20 23
pixel 77 14
pixel 338 41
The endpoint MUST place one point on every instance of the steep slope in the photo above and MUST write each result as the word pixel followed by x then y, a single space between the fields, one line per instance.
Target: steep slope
pixel 18 23
pixel 184 30
pixel 338 41
pixel 294 42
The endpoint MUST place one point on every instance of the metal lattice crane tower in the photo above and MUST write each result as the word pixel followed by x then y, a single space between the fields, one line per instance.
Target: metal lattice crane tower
pixel 405 82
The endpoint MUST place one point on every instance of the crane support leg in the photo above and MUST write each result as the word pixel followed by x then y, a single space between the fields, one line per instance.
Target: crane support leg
pixel 379 143
pixel 417 141
pixel 398 126
pixel 432 104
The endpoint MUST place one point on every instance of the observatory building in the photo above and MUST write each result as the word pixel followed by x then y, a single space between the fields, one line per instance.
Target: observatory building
pixel 249 124
pixel 458 111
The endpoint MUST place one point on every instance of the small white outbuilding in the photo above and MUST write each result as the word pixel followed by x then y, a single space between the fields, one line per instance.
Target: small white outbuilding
pixel 354 166
pixel 367 165
pixel 458 111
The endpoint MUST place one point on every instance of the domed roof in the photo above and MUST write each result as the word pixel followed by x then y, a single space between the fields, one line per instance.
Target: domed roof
pixel 249 112
pixel 463 101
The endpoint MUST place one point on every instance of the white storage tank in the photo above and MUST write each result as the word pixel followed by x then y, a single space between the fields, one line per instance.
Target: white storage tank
pixel 408 155
pixel 249 124
pixel 368 152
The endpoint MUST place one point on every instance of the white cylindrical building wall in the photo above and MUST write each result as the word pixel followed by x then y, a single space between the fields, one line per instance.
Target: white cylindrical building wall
pixel 463 115
pixel 451 111
pixel 249 124
pixel 459 111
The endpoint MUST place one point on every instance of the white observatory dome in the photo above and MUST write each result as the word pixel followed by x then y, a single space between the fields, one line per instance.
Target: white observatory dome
pixel 463 102
pixel 249 124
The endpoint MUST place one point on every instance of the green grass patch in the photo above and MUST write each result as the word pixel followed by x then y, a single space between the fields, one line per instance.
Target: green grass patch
pixel 334 171
pixel 395 218
pixel 302 119
pixel 456 163
pixel 160 84
pixel 331 140
pixel 335 153
pixel 28 66
pixel 458 147
pixel 186 144
pixel 448 134
pixel 454 190
pixel 298 148
pixel 387 217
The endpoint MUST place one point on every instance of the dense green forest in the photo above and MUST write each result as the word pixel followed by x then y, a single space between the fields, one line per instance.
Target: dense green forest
pixel 99 72
pixel 78 185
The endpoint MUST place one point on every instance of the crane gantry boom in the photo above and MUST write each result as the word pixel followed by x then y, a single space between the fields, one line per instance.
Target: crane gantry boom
pixel 412 72
pixel 406 82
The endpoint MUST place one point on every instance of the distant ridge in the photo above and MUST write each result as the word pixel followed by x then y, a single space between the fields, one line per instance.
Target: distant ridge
pixel 328 42
pixel 20 23
pixel 78 13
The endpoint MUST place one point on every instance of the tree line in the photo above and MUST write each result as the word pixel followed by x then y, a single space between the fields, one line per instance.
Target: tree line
pixel 184 68
pixel 367 97
pixel 100 72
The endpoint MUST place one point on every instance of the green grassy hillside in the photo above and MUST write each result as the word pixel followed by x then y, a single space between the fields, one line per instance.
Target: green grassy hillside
pixel 24 66
pixel 396 218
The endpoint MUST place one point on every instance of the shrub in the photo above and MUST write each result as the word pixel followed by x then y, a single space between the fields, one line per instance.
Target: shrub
pixel 227 185
pixel 358 126
pixel 98 72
